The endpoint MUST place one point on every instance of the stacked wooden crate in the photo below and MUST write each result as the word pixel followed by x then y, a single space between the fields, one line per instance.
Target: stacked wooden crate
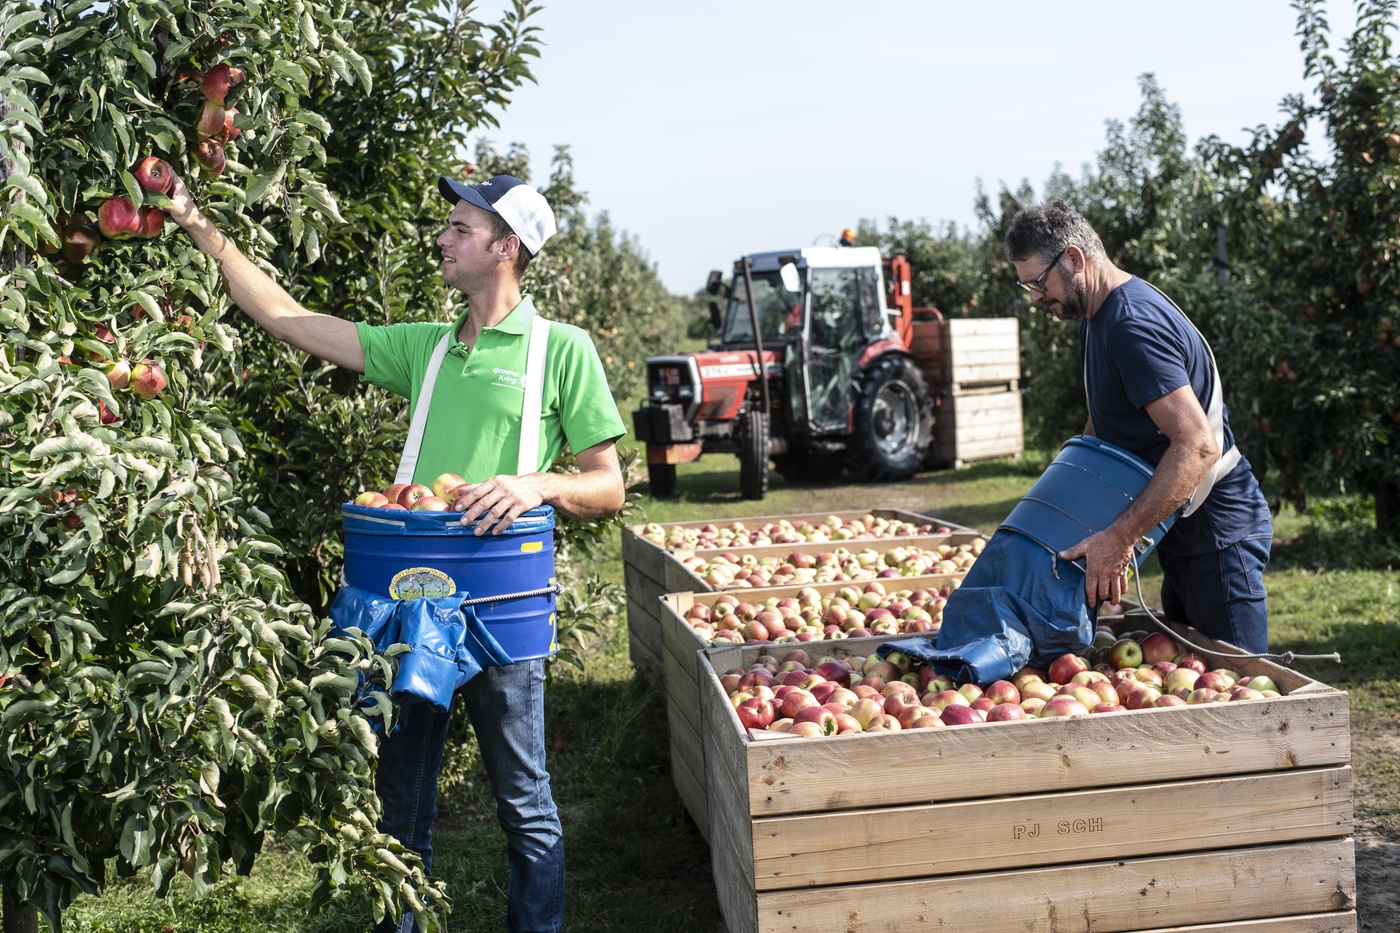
pixel 973 365
pixel 1223 816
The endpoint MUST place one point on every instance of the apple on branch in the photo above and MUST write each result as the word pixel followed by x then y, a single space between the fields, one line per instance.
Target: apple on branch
pixel 147 379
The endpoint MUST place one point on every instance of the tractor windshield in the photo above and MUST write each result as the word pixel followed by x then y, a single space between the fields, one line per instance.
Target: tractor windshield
pixel 779 310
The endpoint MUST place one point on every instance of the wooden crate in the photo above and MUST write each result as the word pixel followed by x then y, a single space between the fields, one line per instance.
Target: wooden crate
pixel 1225 816
pixel 961 352
pixel 977 424
pixel 650 572
pixel 685 676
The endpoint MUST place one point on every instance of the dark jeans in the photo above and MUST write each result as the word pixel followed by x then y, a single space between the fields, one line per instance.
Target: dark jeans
pixel 506 709
pixel 1221 594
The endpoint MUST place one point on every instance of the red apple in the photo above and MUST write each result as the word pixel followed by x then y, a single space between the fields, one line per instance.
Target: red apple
pixel 820 715
pixel 392 493
pixel 118 218
pixel 1063 668
pixel 1006 712
pixel 755 713
pixel 956 715
pixel 154 174
pixel 211 120
pixel 147 379
pixel 219 79
pixel 152 222
pixel 1060 706
pixel 429 504
pixel 412 493
pixel 1159 646
pixel 209 153
pixel 371 499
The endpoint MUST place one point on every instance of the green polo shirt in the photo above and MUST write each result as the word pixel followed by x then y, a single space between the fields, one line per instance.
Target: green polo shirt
pixel 473 424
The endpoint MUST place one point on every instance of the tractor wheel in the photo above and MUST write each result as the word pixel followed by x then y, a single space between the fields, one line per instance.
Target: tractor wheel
pixel 663 479
pixel 752 438
pixel 808 466
pixel 893 421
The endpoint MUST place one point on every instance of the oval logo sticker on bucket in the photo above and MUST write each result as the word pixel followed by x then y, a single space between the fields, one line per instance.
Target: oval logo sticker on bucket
pixel 421 583
pixel 530 547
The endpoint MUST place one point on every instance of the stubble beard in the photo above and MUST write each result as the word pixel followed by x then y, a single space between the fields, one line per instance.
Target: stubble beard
pixel 1075 304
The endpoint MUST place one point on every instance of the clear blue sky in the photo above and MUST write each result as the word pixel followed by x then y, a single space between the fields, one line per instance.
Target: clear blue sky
pixel 707 130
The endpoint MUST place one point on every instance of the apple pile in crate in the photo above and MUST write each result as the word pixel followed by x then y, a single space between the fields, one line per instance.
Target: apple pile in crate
pixel 783 531
pixel 806 696
pixel 850 612
pixel 415 496
pixel 733 569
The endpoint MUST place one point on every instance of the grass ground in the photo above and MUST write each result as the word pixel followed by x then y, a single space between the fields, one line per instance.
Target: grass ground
pixel 636 863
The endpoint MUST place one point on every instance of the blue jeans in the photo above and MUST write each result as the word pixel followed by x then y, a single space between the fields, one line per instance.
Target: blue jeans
pixel 506 709
pixel 1221 594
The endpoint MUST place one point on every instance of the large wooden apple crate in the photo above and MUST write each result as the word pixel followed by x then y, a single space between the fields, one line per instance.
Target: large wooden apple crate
pixel 650 572
pixel 1224 817
pixel 685 675
pixel 974 365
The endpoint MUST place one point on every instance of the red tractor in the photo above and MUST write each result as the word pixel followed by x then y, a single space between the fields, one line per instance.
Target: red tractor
pixel 838 390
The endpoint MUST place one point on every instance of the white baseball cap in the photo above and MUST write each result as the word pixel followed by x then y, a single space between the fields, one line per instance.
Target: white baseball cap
pixel 523 208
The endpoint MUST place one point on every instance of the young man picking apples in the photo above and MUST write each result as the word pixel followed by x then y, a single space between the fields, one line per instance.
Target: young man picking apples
pixel 1152 388
pixel 473 429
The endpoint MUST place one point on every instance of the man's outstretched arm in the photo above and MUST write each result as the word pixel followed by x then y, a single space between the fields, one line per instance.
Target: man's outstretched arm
pixel 324 336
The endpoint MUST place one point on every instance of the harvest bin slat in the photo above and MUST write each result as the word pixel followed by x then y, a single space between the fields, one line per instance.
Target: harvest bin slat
pixel 1052 829
pixel 1132 894
pixel 1221 815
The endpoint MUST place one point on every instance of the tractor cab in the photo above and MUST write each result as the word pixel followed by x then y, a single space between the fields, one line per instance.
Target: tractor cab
pixel 820 307
pixel 809 367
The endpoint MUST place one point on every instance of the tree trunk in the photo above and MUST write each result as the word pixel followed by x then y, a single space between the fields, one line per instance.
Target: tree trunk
pixel 19 918
pixel 1388 510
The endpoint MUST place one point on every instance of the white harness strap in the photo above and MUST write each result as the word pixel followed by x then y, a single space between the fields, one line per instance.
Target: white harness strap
pixel 1215 414
pixel 527 460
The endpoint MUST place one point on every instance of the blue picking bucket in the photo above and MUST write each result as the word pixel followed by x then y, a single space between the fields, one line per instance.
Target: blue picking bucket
pixel 1088 485
pixel 407 555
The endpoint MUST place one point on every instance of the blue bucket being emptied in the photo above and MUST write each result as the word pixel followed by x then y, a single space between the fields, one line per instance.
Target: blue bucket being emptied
pixel 407 555
pixel 1088 485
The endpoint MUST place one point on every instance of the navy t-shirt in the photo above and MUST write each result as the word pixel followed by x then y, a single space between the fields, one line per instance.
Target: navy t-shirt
pixel 1136 349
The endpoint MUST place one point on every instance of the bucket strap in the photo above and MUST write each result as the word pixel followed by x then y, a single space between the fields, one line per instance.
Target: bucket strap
pixel 527 459
pixel 1215 415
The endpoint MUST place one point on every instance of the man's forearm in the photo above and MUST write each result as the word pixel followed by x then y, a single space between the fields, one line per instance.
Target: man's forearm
pixel 262 299
pixel 1180 471
pixel 594 494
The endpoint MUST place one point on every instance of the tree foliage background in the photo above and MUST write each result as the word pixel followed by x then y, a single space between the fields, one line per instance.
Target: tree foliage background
pixel 1300 307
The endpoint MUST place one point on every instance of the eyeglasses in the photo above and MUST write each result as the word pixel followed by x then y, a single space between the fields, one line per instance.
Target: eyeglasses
pixel 1036 286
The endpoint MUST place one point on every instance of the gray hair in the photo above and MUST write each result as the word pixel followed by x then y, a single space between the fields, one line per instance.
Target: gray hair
pixel 1044 230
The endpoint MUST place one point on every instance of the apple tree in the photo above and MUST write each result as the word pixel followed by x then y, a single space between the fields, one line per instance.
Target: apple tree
pixel 1318 237
pixel 166 701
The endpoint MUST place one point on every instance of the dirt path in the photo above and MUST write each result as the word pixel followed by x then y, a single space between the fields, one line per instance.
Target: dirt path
pixel 1377 853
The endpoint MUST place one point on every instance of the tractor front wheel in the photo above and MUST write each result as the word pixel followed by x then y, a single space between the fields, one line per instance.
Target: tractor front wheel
pixel 752 438
pixel 663 479
pixel 893 421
